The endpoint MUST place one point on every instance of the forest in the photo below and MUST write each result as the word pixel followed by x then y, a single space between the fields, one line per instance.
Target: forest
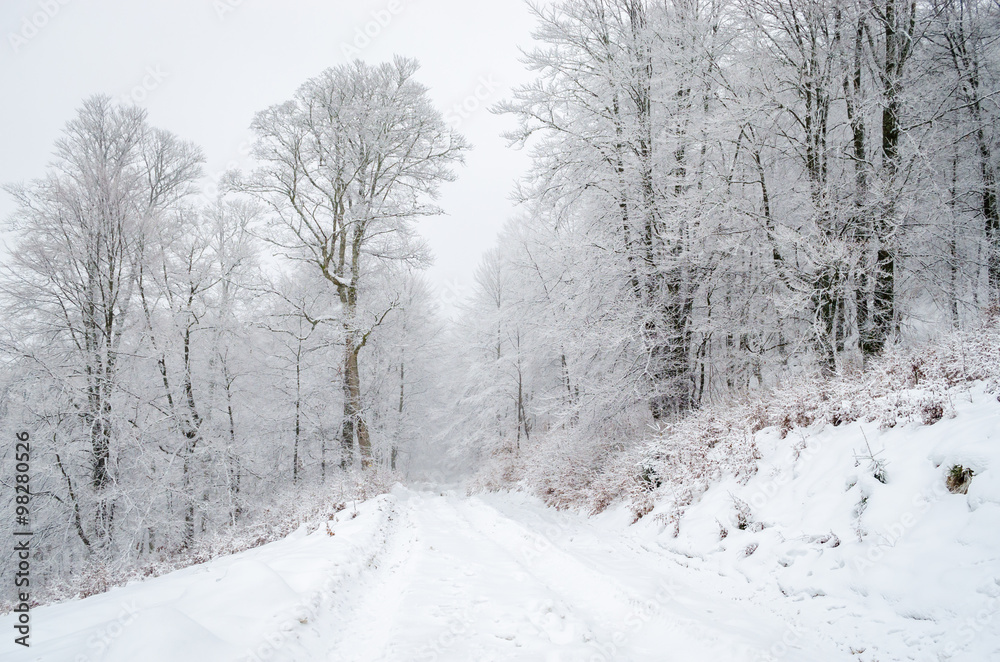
pixel 725 196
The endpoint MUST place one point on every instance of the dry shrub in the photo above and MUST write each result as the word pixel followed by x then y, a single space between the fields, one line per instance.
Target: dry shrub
pixel 931 411
pixel 959 478
pixel 563 471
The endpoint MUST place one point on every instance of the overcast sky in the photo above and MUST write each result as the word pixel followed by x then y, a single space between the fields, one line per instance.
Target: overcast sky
pixel 202 68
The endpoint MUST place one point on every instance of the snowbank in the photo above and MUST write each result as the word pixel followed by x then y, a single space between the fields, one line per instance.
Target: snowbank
pixel 255 605
pixel 857 524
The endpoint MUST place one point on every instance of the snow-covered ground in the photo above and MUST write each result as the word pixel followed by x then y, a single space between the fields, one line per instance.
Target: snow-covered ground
pixel 900 570
pixel 831 565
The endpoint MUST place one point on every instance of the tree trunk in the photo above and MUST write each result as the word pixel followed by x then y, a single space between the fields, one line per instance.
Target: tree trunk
pixel 862 223
pixel 298 411
pixel 350 377
pixel 898 35
pixel 353 426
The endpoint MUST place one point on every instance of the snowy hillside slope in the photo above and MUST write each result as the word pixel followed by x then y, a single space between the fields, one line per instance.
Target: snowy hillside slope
pixel 673 463
pixel 878 556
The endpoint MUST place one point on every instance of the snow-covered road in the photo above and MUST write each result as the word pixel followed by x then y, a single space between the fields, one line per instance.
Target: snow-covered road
pixel 463 580
pixel 436 575
pixel 425 575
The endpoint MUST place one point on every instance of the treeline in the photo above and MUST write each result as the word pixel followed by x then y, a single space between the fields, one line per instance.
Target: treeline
pixel 189 366
pixel 725 194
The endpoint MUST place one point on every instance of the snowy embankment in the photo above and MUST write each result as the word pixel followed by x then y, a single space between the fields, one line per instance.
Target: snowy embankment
pixel 845 544
pixel 232 608
pixel 877 557
pixel 812 558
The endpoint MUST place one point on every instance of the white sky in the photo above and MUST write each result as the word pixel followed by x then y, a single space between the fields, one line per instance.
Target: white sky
pixel 211 64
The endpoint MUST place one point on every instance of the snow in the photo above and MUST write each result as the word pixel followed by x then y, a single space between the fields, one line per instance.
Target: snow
pixel 832 565
pixel 914 571
pixel 228 609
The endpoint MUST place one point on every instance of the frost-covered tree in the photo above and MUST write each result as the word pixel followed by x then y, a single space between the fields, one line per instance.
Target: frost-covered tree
pixel 724 194
pixel 347 165
pixel 963 72
pixel 71 283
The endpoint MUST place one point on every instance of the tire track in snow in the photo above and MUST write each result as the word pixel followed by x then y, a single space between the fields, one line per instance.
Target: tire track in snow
pixel 462 581
pixel 738 616
pixel 339 596
pixel 371 604
pixel 445 591
pixel 636 622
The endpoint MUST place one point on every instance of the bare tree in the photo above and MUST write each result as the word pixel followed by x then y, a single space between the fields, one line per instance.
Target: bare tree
pixel 348 164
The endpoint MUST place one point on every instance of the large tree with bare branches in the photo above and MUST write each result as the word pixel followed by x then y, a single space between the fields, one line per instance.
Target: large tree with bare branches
pixel 348 164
